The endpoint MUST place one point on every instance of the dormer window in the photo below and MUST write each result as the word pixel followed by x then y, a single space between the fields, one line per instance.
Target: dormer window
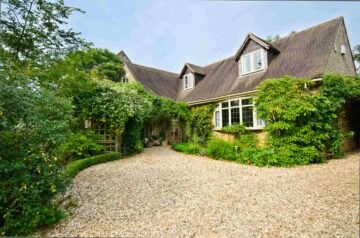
pixel 188 81
pixel 252 62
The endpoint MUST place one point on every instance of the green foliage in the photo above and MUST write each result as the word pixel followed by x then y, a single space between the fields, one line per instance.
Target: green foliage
pixel 200 122
pixel 356 55
pixel 76 166
pixel 33 123
pixel 164 108
pixel 81 145
pixel 249 140
pixel 302 124
pixel 220 149
pixel 188 148
pixel 236 129
pixel 33 29
pixel 131 138
pixel 257 156
pixel 34 119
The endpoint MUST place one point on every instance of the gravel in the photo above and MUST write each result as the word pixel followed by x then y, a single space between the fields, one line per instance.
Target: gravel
pixel 163 193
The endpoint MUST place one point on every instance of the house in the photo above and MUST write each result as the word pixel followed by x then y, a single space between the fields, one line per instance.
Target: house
pixel 232 82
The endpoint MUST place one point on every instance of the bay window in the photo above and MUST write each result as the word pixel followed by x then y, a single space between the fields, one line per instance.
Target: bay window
pixel 237 111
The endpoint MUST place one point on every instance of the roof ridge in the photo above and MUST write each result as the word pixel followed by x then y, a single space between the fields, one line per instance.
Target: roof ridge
pixel 318 25
pixel 218 61
pixel 161 70
pixel 194 65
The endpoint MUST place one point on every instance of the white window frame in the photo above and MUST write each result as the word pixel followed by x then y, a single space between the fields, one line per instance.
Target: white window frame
pixel 252 63
pixel 191 81
pixel 219 109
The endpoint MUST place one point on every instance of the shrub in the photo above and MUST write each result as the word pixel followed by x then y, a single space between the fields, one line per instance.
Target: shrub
pixel 235 129
pixel 188 148
pixel 302 124
pixel 80 145
pixel 76 166
pixel 248 140
pixel 131 138
pixel 200 122
pixel 33 123
pixel 257 156
pixel 220 149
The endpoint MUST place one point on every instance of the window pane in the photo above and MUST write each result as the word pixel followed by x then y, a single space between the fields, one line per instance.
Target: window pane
pixel 246 64
pixel 247 116
pixel 191 81
pixel 258 62
pixel 235 115
pixel 225 117
pixel 246 101
pixel 260 122
pixel 217 119
pixel 225 104
pixel 234 103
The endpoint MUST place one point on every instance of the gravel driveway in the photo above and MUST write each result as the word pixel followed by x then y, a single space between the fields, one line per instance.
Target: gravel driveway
pixel 163 193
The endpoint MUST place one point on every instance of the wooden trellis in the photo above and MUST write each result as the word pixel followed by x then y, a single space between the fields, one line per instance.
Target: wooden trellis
pixel 110 142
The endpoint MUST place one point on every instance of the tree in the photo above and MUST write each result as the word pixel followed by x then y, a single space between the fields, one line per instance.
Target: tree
pixel 33 29
pixel 34 120
pixel 356 53
pixel 275 38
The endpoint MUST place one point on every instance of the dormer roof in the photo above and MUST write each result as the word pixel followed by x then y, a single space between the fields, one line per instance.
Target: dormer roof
pixel 258 40
pixel 193 68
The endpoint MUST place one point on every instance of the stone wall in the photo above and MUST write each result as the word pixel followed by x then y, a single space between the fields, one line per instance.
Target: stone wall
pixel 350 121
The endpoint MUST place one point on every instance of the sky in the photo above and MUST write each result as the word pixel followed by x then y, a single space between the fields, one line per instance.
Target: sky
pixel 166 34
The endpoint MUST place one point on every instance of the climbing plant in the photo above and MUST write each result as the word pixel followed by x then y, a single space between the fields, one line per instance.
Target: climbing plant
pixel 301 121
pixel 200 122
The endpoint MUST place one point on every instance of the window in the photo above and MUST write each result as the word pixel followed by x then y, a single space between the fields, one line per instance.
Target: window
pixel 237 111
pixel 188 81
pixel 125 78
pixel 217 119
pixel 252 62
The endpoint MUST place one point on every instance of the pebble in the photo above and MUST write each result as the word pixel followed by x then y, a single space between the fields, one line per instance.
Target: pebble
pixel 163 193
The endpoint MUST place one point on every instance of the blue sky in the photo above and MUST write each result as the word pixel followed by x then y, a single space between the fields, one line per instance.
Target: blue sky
pixel 166 34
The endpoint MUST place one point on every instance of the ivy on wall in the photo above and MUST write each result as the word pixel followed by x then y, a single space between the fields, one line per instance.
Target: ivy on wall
pixel 302 123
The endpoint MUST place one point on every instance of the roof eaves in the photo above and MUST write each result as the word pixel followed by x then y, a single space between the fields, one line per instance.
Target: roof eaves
pixel 258 40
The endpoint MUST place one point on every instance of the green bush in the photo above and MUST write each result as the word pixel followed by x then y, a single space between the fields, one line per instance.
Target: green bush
pixel 80 145
pixel 188 148
pixel 302 123
pixel 76 166
pixel 235 129
pixel 257 156
pixel 200 123
pixel 32 127
pixel 248 140
pixel 131 138
pixel 220 149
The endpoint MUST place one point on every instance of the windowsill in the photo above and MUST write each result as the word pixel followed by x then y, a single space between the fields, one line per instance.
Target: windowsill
pixel 253 72
pixel 247 128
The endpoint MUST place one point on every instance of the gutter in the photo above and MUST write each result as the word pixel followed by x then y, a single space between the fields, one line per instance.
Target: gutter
pixel 233 95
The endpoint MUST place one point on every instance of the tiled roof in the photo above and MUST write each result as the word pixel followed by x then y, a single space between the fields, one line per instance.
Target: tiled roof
pixel 160 82
pixel 302 54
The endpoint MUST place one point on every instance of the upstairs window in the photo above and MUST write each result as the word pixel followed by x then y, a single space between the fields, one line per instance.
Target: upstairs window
pixel 252 62
pixel 188 81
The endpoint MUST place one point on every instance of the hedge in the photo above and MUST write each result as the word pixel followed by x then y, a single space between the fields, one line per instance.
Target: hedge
pixel 76 166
